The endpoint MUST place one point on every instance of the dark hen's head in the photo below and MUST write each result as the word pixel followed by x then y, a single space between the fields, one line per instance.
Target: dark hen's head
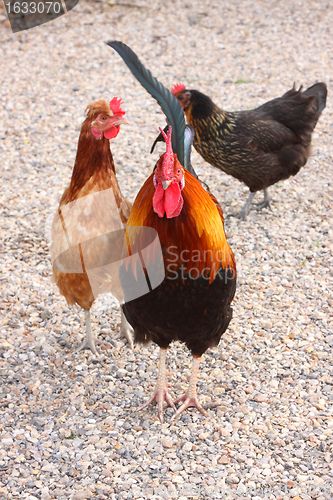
pixel 193 102
pixel 182 94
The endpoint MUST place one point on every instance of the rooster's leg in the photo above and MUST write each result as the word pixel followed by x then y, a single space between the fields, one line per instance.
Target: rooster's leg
pixel 265 203
pixel 190 398
pixel 89 341
pixel 243 213
pixel 125 329
pixel 161 391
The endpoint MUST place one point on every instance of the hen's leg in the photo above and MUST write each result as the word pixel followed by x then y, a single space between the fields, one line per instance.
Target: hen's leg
pixel 161 390
pixel 125 329
pixel 89 341
pixel 243 213
pixel 190 398
pixel 265 203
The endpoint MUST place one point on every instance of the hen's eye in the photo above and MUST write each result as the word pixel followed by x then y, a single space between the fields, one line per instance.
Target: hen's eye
pixel 103 118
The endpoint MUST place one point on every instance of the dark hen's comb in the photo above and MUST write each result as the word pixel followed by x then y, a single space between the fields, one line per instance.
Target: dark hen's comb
pixel 178 87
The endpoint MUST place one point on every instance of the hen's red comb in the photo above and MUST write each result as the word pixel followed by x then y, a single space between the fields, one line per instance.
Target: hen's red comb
pixel 178 87
pixel 115 105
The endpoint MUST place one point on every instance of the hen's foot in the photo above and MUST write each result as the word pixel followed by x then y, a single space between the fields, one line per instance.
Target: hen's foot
pixel 89 341
pixel 265 203
pixel 241 215
pixel 245 210
pixel 161 390
pixel 125 330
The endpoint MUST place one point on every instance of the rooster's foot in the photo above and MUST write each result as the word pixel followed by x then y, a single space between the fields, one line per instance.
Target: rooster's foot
pixel 161 390
pixel 188 401
pixel 190 398
pixel 160 395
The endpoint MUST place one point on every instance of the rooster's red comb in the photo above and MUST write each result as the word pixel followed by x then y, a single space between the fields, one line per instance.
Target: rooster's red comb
pixel 115 105
pixel 168 158
pixel 178 87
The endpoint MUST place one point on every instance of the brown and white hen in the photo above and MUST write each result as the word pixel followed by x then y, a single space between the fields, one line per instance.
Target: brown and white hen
pixel 91 216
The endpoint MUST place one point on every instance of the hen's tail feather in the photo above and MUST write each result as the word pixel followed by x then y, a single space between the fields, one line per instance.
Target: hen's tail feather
pixel 169 104
pixel 320 91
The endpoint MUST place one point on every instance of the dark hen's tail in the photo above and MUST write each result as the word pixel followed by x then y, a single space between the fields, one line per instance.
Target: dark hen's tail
pixel 169 104
pixel 320 91
pixel 297 110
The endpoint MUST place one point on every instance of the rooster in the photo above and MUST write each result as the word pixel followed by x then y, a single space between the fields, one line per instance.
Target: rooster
pixel 90 210
pixel 261 146
pixel 192 303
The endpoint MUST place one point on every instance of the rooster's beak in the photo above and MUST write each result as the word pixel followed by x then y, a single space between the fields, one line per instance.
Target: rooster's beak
pixel 166 184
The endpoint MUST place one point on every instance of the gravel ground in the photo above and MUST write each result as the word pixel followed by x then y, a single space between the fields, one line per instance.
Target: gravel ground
pixel 68 425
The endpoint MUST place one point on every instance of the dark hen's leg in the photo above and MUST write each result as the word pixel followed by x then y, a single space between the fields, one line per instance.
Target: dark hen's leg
pixel 190 398
pixel 161 390
pixel 89 341
pixel 243 213
pixel 265 203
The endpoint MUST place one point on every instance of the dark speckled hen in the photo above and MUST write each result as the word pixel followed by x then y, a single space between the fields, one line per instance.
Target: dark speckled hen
pixel 261 146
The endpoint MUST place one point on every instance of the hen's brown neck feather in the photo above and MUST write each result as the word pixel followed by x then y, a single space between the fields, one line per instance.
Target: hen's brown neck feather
pixel 93 156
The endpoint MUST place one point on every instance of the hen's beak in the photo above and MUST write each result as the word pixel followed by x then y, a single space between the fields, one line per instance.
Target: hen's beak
pixel 113 122
pixel 109 128
pixel 166 184
pixel 118 121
